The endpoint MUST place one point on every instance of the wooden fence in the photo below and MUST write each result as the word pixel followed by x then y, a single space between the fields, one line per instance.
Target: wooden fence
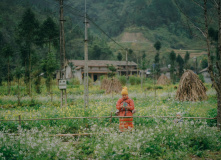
pixel 111 117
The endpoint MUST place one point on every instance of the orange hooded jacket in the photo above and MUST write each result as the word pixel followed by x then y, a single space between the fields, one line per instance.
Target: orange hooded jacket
pixel 129 102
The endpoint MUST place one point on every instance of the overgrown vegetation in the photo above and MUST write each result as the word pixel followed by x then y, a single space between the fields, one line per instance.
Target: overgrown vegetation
pixel 152 137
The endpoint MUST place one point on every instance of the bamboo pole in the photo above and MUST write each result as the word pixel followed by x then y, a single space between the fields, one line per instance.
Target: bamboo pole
pixel 109 117
pixel 80 134
pixel 19 119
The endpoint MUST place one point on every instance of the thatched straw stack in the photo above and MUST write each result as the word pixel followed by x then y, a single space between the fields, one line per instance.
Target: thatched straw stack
pixel 163 80
pixel 111 86
pixel 191 88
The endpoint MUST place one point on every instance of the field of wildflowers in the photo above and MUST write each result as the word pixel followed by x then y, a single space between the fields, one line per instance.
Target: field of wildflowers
pixel 152 138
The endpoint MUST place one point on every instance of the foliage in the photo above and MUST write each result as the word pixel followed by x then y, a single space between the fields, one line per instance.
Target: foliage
pixel 49 33
pixel 7 52
pixel 138 80
pixel 150 140
pixel 122 79
pixel 213 34
pixel 172 63
pixel 100 51
pixel 157 64
pixel 212 113
pixel 49 66
pixel 119 56
pixel 157 46
pixel 27 34
pixel 186 59
pixel 74 81
pixel 201 78
pixel 112 69
pixel 180 62
pixel 132 80
pixel 28 28
pixel 37 80
pixel 204 63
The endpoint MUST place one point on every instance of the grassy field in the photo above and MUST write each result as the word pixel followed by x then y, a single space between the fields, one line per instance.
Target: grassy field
pixel 152 138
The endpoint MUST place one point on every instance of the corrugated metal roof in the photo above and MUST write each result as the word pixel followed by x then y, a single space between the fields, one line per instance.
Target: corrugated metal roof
pixel 101 63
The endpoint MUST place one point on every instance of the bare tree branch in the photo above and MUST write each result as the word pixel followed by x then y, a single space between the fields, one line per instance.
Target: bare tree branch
pixel 215 3
pixel 197 3
pixel 218 67
pixel 198 28
pixel 219 41
pixel 210 67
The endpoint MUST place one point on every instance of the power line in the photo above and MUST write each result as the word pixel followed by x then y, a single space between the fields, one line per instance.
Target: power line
pixel 96 25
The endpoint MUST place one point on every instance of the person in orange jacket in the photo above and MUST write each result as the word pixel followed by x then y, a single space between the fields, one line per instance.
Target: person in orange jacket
pixel 125 107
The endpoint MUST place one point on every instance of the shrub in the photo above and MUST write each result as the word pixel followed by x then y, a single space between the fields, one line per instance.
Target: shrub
pixel 158 87
pixel 123 80
pixel 132 80
pixel 74 81
pixel 102 77
pixel 211 114
pixel 138 80
pixel 201 78
pixel 152 87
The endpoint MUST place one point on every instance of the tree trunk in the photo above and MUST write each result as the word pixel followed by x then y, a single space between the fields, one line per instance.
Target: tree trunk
pixel 18 94
pixel 51 88
pixel 29 68
pixel 219 111
pixel 9 86
pixel 141 79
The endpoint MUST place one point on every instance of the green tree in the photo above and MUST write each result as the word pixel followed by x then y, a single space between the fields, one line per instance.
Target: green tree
pixel 119 56
pixel 100 51
pixel 180 62
pixel 186 59
pixel 131 55
pixel 143 67
pixel 8 53
pixel 172 63
pixel 204 63
pixel 28 31
pixel 49 33
pixel 157 64
pixel 2 58
pixel 50 66
pixel 18 73
pixel 213 35
pixel 112 69
pixel 157 46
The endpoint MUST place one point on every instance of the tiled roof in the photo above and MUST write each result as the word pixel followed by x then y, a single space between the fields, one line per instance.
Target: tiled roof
pixel 102 63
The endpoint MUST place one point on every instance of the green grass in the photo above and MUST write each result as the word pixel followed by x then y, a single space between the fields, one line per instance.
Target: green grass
pixel 152 138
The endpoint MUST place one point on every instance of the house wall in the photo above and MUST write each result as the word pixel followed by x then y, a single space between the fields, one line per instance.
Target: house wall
pixel 68 72
pixel 78 75
pixel 96 69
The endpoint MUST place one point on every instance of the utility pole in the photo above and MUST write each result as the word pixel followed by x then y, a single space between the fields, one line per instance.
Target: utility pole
pixel 141 73
pixel 62 52
pixel 86 62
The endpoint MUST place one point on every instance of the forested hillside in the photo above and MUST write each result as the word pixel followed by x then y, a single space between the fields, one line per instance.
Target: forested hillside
pixel 134 24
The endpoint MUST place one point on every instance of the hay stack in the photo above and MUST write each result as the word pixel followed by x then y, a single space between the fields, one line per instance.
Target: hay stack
pixel 163 80
pixel 110 86
pixel 191 88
